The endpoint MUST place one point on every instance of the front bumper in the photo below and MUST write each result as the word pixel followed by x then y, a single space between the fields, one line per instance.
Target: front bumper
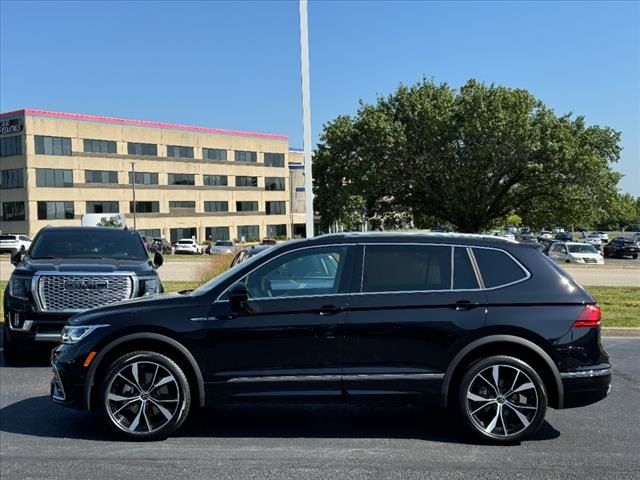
pixel 586 386
pixel 33 329
pixel 67 383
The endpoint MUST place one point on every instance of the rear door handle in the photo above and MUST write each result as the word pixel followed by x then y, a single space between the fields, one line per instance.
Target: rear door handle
pixel 463 305
pixel 327 310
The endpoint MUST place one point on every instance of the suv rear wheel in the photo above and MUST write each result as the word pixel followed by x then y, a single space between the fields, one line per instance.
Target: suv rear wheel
pixel 145 396
pixel 502 399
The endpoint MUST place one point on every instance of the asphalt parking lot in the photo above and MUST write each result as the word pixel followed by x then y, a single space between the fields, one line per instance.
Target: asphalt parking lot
pixel 41 440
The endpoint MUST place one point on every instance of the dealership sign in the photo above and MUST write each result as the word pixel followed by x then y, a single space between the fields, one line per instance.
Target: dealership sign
pixel 10 126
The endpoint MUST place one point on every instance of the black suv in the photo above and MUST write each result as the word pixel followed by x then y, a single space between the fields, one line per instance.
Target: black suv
pixel 68 270
pixel 487 326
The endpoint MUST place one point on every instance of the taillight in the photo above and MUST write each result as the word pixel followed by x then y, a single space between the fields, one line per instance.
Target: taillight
pixel 590 317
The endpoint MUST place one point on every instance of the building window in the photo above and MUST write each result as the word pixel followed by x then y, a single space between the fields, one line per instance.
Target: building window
pixel 217 233
pixel 216 206
pixel 246 206
pixel 12 211
pixel 54 177
pixel 249 232
pixel 53 145
pixel 149 149
pixel 176 151
pixel 55 211
pixel 276 231
pixel 215 180
pixel 145 207
pixel 180 233
pixel 99 146
pixel 103 207
pixel 276 208
pixel 274 183
pixel 144 178
pixel 246 181
pixel 214 154
pixel 100 176
pixel 274 159
pixel 13 178
pixel 181 179
pixel 242 156
pixel 149 232
pixel 11 146
pixel 182 204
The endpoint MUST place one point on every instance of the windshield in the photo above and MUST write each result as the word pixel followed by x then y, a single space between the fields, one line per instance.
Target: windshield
pixel 223 244
pixel 89 243
pixel 185 242
pixel 7 237
pixel 581 249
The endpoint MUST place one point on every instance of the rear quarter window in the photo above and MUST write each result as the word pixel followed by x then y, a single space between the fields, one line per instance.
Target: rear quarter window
pixel 497 267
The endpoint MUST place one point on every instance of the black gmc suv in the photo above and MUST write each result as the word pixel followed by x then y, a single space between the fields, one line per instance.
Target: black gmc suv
pixel 487 326
pixel 68 270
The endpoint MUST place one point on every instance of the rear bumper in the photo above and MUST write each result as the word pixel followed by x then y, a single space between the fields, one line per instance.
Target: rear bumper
pixel 586 386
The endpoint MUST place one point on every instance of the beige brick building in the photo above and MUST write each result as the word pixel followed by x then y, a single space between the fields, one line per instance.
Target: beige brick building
pixel 189 181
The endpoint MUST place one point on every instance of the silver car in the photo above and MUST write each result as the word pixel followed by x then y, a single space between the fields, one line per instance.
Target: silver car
pixel 222 247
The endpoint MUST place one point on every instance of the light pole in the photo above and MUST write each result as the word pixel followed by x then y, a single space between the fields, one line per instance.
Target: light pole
pixel 133 186
pixel 306 118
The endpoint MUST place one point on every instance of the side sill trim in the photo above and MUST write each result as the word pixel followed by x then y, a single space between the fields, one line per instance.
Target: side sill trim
pixel 327 378
pixel 601 372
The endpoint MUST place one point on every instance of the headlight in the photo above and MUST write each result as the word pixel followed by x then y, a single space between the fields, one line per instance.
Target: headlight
pixel 20 287
pixel 151 286
pixel 72 334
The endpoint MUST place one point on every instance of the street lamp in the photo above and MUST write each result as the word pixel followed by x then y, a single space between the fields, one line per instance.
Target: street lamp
pixel 306 118
pixel 133 186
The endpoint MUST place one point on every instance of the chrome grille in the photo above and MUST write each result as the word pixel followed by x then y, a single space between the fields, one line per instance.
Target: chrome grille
pixel 77 292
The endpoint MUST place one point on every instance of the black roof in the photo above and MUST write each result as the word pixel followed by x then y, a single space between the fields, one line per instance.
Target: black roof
pixel 413 237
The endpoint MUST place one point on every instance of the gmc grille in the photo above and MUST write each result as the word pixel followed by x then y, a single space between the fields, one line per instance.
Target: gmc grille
pixel 75 292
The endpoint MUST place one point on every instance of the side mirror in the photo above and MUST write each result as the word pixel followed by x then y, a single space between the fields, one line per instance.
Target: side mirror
pixel 16 257
pixel 158 259
pixel 238 297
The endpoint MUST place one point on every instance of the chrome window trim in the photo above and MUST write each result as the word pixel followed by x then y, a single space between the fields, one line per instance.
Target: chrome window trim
pixel 453 267
pixel 217 300
pixel 481 288
pixel 47 273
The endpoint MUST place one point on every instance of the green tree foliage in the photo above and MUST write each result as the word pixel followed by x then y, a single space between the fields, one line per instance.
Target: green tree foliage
pixel 467 157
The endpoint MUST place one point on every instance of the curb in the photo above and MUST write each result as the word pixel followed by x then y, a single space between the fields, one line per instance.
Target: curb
pixel 620 332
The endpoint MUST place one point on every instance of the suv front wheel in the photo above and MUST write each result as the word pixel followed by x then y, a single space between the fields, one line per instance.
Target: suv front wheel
pixel 502 399
pixel 145 396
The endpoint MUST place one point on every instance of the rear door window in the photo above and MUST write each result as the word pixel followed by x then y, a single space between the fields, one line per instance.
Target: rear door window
pixel 498 268
pixel 406 268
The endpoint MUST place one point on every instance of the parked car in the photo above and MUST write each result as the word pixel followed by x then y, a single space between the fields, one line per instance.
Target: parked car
pixel 527 238
pixel 593 239
pixel 573 252
pixel 247 253
pixel 14 243
pixel 545 244
pixel 545 234
pixel 621 247
pixel 564 237
pixel 269 241
pixel 604 236
pixel 161 245
pixel 188 245
pixel 485 326
pixel 69 270
pixel 222 247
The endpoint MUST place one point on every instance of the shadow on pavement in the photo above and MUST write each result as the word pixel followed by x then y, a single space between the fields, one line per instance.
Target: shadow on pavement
pixel 38 416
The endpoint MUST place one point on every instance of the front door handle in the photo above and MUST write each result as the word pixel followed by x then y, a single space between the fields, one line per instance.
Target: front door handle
pixel 327 310
pixel 464 305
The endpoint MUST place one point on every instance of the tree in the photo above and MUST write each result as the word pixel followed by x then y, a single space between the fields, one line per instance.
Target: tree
pixel 109 222
pixel 468 157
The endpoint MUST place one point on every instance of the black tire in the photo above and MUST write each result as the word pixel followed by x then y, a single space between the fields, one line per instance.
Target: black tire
pixel 635 256
pixel 516 407
pixel 154 424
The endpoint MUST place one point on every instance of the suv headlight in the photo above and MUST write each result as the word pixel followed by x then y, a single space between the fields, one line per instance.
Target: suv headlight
pixel 73 334
pixel 20 287
pixel 151 286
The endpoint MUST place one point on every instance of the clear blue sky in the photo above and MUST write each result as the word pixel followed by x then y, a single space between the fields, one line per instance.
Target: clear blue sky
pixel 236 65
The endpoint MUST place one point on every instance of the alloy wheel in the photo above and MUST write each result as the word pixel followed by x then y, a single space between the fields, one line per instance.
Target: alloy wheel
pixel 142 397
pixel 502 401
